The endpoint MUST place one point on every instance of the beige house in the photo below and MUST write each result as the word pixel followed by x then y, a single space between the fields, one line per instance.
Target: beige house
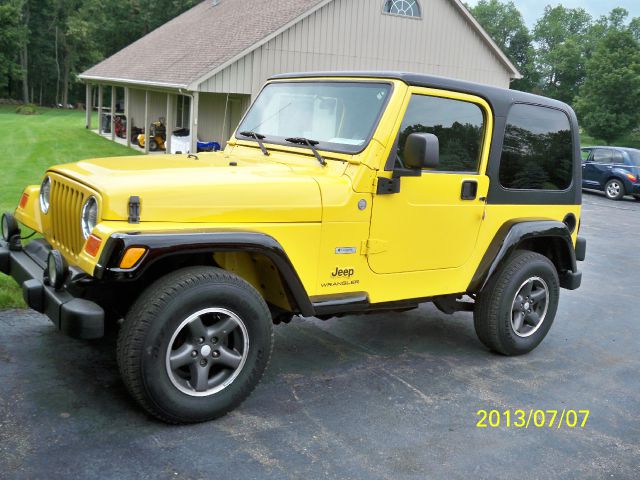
pixel 201 70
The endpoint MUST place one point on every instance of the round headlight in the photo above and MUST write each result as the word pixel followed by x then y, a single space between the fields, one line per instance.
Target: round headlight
pixel 89 216
pixel 45 193
pixel 56 269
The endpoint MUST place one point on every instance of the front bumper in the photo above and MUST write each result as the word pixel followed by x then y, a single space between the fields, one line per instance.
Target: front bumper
pixel 75 316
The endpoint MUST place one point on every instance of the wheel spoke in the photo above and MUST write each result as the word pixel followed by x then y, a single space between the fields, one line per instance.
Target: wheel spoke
pixel 199 376
pixel 229 358
pixel 516 303
pixel 532 319
pixel 538 295
pixel 181 356
pixel 222 329
pixel 197 328
pixel 517 321
pixel 526 288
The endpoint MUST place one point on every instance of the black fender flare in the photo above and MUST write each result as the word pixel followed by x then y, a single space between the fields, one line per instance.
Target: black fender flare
pixel 161 245
pixel 514 234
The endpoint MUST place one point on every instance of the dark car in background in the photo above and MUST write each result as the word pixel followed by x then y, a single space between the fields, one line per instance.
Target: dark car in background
pixel 613 170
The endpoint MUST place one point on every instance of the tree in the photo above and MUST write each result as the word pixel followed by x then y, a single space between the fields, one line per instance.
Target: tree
pixel 561 36
pixel 24 50
pixel 609 101
pixel 10 39
pixel 44 44
pixel 504 23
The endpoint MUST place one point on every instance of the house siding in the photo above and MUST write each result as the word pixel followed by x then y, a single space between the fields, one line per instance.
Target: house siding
pixel 212 122
pixel 157 107
pixel 356 35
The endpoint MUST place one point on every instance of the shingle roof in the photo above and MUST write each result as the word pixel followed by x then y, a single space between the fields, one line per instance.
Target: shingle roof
pixel 206 37
pixel 201 39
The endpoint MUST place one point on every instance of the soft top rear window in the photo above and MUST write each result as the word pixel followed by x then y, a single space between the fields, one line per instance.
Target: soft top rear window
pixel 537 153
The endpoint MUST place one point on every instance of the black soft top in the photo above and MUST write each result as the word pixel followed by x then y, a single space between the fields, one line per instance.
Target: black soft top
pixel 500 99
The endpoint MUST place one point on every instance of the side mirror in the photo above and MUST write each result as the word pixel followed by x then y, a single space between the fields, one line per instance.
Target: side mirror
pixel 421 150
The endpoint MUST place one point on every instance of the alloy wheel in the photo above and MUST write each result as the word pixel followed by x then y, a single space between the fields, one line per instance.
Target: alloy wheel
pixel 207 352
pixel 613 189
pixel 529 306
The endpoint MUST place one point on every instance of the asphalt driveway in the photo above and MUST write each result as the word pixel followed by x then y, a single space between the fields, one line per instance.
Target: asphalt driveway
pixel 371 397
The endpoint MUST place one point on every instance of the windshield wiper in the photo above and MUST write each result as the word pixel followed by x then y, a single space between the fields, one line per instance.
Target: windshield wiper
pixel 258 138
pixel 309 143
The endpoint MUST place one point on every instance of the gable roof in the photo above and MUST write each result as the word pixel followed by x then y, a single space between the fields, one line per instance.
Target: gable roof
pixel 205 39
pixel 199 40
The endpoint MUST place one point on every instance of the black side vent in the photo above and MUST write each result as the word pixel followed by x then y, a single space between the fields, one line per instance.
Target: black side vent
pixel 134 209
pixel 388 185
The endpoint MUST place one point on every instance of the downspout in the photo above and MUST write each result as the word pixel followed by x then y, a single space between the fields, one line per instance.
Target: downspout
pixel 192 120
pixel 224 121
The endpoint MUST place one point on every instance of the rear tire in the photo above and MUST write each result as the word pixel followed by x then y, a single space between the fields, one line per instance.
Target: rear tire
pixel 195 344
pixel 614 189
pixel 515 310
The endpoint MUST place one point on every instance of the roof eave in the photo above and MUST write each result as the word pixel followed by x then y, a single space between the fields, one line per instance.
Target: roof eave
pixel 129 81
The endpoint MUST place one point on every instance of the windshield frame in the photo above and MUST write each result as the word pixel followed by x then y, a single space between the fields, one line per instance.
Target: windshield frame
pixel 322 145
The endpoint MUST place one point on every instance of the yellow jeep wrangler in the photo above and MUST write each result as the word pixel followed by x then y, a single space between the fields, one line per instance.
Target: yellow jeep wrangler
pixel 339 194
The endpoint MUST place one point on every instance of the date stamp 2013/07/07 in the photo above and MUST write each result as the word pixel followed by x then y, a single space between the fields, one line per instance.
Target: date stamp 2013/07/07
pixel 532 418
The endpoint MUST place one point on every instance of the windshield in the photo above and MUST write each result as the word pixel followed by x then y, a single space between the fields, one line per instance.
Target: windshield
pixel 340 116
pixel 634 155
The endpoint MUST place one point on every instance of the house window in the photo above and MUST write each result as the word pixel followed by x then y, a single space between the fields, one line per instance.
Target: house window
pixel 405 8
pixel 183 111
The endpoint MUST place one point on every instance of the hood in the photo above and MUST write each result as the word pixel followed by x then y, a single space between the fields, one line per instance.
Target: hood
pixel 213 188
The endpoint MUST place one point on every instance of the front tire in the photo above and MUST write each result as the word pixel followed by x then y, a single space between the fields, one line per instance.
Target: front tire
pixel 614 189
pixel 195 344
pixel 515 310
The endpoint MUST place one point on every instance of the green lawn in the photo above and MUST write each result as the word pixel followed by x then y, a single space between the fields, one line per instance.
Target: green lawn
pixel 31 143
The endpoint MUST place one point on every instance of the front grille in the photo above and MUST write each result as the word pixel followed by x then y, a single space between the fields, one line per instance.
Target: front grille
pixel 66 206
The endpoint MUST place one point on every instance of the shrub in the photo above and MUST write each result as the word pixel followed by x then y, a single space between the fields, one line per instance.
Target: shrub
pixel 27 109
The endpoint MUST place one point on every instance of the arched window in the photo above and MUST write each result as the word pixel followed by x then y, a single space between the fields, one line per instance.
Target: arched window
pixel 406 8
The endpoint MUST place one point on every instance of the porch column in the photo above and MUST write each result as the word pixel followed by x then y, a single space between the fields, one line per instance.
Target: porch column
pixel 146 122
pixel 127 109
pixel 88 106
pixel 194 121
pixel 113 113
pixel 169 122
pixel 100 109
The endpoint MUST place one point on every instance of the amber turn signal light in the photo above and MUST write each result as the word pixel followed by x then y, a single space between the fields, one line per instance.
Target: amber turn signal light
pixel 131 256
pixel 93 245
pixel 631 177
pixel 24 199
